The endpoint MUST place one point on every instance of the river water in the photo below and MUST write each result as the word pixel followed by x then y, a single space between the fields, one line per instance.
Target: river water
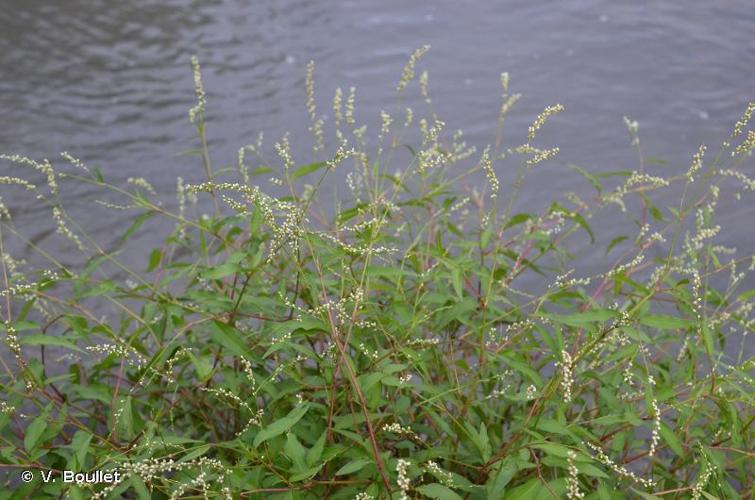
pixel 110 82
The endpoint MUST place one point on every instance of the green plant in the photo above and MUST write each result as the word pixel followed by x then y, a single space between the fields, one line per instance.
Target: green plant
pixel 276 349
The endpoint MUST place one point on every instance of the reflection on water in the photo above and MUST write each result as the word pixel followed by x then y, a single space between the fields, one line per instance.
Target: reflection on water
pixel 110 81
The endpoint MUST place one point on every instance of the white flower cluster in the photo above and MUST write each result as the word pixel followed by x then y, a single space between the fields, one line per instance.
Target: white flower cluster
pixel 62 228
pixel 24 290
pixel 315 123
pixel 697 164
pixel 424 342
pixel 247 365
pixel 283 148
pixel 407 75
pixel 151 468
pixel 423 87
pixel 6 408
pixel 703 229
pixel 4 179
pixel 386 122
pixel 372 354
pixel 572 482
pixel 749 184
pixel 197 112
pixel 624 267
pixel 181 352
pixel 310 87
pixel 747 146
pixel 617 469
pixel 349 108
pixel 142 183
pixel 11 339
pixel 566 367
pixel 541 119
pixel 633 127
pixel 409 118
pixel 357 250
pixel 127 353
pixel 445 477
pixel 536 155
pixel 44 166
pixel 254 419
pixel 4 212
pixel 504 388
pixel 656 437
pixel 487 166
pixel 562 282
pixel 744 120
pixel 531 392
pixel 697 490
pixel 507 104
pixel 644 180
pixel 403 482
pixel 432 154
pixel 74 161
pixel 397 428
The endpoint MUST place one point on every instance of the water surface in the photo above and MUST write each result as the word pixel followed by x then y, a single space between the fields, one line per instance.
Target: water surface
pixel 110 82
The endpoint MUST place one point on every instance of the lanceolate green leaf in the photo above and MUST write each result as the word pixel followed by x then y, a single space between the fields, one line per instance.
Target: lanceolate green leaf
pixel 436 490
pixel 307 169
pixel 665 321
pixel 281 425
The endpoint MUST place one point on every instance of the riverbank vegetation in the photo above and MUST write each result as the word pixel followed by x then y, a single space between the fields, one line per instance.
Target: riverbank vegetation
pixel 414 338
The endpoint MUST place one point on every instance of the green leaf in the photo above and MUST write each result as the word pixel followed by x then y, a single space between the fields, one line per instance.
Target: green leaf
pixel 202 365
pixel 591 470
pixel 315 453
pixel 307 169
pixel 352 467
pixel 646 496
pixel 584 318
pixel 671 439
pixel 221 271
pixel 554 449
pixel 603 492
pixel 154 259
pixel 587 175
pixel 615 242
pixel 517 219
pixel 457 282
pixel 228 337
pixel 306 474
pixel 140 488
pixel 665 321
pixel 526 491
pixel 126 419
pixel 486 236
pixel 436 490
pixel 707 339
pixel 480 440
pixel 42 339
pixel 138 222
pixel 497 483
pixel 295 451
pixel 36 428
pixel 195 453
pixel 583 223
pixel 280 426
pixel 80 446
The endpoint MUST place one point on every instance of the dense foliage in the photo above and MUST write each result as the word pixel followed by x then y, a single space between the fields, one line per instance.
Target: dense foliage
pixel 411 339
